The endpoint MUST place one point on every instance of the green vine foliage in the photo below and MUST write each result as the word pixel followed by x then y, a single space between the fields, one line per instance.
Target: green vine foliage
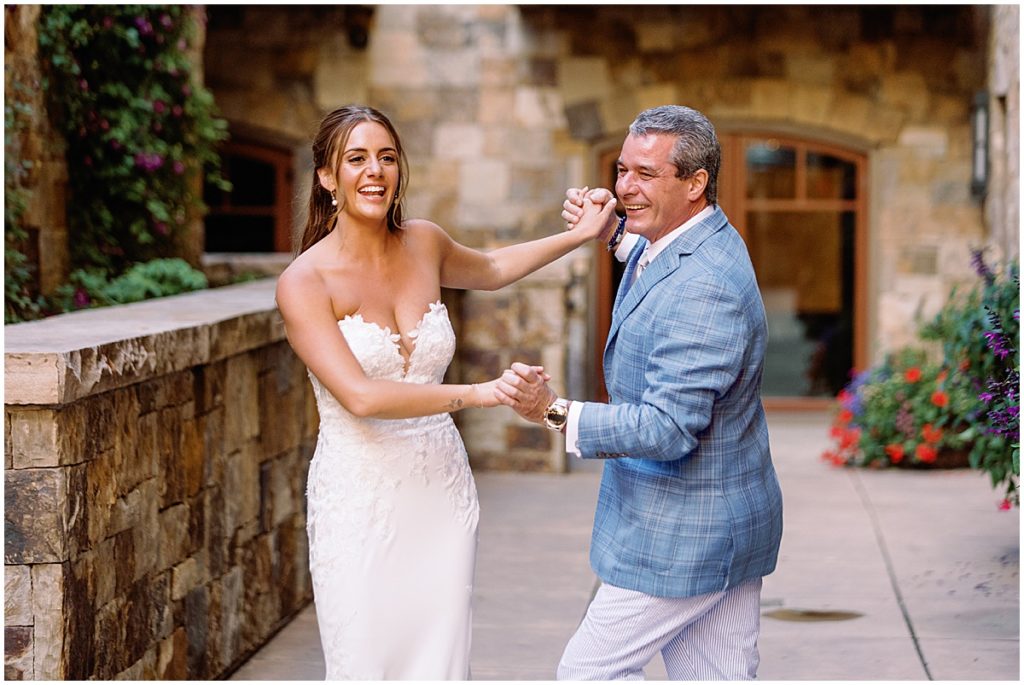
pixel 139 128
pixel 20 300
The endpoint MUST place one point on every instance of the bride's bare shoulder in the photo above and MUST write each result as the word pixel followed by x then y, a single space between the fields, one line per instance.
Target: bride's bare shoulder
pixel 301 278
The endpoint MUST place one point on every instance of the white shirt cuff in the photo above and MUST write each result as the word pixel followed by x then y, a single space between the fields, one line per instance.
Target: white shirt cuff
pixel 572 429
pixel 626 246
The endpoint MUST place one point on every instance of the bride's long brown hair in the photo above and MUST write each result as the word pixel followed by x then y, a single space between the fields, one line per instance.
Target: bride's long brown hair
pixel 330 139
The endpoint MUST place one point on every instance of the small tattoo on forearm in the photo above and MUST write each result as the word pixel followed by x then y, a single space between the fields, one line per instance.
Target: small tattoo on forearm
pixel 455 404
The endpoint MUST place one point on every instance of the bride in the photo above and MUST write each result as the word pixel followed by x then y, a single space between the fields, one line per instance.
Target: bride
pixel 392 506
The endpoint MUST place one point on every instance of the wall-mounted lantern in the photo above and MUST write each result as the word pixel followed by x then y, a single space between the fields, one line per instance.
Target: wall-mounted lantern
pixel 979 149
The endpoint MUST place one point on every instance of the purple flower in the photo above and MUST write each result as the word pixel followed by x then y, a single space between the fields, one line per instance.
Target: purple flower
pixel 159 106
pixel 986 397
pixel 179 167
pixel 177 111
pixel 186 90
pixel 149 161
pixel 160 227
pixel 115 145
pixel 165 21
pixel 182 44
pixel 81 298
pixel 980 267
pixel 145 28
pixel 83 84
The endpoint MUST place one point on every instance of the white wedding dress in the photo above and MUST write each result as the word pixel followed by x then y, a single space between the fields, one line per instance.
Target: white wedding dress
pixel 392 522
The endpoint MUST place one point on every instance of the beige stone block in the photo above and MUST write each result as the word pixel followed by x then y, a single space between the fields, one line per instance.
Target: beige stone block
pixel 851 114
pixel 539 108
pixel 926 141
pixel 146 533
pixel 396 59
pixel 654 96
pixel 486 180
pixel 241 414
pixel 18 595
pixel 184 577
pixel 770 98
pixel 241 479
pixel 458 141
pixel 35 440
pixel 174 535
pixel 36 516
pixel 656 35
pixel 48 611
pixel 499 73
pixel 907 90
pixel 583 78
pixel 812 69
pixel 172 660
pixel 618 113
pixel 495 104
pixel 459 68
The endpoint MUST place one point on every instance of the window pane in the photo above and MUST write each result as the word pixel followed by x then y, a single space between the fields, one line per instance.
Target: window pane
pixel 804 266
pixel 252 183
pixel 771 170
pixel 830 178
pixel 239 233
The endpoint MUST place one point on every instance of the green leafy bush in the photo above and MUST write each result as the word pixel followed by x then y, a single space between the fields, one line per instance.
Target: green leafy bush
pixel 156 278
pixel 139 127
pixel 980 331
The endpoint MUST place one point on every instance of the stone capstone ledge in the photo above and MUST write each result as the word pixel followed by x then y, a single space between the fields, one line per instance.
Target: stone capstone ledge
pixel 65 358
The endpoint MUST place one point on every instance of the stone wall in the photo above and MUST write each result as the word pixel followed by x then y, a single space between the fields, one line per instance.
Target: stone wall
pixel 1002 202
pixel 155 461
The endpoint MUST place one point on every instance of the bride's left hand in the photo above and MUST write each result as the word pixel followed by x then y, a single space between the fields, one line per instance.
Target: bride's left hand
pixel 525 389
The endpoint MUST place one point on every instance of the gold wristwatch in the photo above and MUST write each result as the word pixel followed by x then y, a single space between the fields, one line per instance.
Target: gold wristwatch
pixel 556 415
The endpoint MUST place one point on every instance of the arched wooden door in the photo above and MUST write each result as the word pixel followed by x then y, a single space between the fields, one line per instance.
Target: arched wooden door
pixel 801 208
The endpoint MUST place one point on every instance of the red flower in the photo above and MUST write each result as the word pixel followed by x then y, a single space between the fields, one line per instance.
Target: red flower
pixel 1005 505
pixel 965 364
pixel 940 399
pixel 836 432
pixel 844 417
pixel 926 453
pixel 942 376
pixel 912 375
pixel 930 434
pixel 843 396
pixel 895 452
pixel 849 439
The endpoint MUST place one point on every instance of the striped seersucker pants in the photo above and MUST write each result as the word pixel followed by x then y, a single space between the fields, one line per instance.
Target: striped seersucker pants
pixel 707 637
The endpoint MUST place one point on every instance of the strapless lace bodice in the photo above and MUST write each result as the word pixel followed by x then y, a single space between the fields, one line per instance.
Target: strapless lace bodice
pixel 378 352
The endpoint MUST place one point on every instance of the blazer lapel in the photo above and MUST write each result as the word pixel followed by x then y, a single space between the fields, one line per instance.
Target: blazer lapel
pixel 629 297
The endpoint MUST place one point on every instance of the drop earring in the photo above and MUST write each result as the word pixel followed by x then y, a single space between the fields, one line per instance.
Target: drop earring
pixel 334 199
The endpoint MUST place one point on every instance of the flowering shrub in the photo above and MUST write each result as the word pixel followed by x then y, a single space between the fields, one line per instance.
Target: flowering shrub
pixel 139 128
pixel 900 412
pixel 980 331
pixel 908 410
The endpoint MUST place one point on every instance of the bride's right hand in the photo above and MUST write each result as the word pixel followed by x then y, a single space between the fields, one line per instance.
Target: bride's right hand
pixel 485 392
pixel 572 208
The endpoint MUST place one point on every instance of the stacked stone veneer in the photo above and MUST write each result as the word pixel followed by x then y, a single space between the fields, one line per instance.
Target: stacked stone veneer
pixel 154 487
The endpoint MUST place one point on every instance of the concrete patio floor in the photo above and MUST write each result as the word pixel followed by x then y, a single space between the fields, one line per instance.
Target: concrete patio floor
pixel 923 561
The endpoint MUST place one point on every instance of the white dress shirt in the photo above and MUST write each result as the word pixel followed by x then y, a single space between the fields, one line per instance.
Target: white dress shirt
pixel 622 254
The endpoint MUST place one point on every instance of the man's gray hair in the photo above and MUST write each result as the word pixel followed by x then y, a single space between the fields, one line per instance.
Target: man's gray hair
pixel 696 144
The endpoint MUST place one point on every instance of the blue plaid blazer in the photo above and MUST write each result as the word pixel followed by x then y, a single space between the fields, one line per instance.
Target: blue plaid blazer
pixel 689 501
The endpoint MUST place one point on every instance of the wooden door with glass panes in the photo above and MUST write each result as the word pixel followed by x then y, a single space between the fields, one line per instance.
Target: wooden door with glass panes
pixel 800 207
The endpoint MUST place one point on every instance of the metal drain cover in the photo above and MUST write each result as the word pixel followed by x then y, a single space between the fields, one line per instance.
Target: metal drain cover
pixel 811 615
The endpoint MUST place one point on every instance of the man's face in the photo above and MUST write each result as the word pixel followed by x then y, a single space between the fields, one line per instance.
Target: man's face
pixel 655 200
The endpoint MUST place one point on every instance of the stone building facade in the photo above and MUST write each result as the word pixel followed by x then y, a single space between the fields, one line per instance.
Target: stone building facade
pixel 502 107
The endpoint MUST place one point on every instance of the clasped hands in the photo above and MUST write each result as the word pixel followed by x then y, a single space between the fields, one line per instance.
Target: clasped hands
pixel 525 389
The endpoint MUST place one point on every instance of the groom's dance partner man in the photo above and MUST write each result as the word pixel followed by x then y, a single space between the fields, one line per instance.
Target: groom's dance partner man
pixel 689 516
